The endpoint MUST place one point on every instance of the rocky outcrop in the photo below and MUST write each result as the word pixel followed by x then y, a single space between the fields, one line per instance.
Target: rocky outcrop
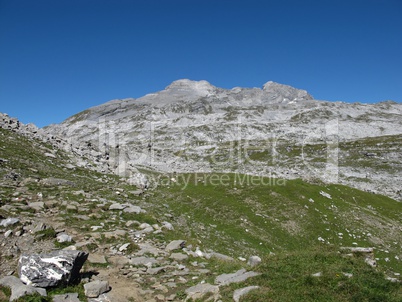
pixel 52 269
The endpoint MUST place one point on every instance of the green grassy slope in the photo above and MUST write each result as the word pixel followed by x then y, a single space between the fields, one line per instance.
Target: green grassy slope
pixel 269 215
pixel 296 227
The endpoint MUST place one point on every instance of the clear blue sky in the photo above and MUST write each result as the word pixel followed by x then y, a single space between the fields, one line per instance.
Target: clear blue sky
pixel 58 57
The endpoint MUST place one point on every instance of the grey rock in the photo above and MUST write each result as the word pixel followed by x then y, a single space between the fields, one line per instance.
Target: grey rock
pixel 97 258
pixel 143 261
pixel 117 206
pixel 238 293
pixel 63 237
pixel 220 256
pixel 175 245
pixel 155 270
pixel 178 256
pixel 37 206
pixel 144 225
pixel 19 289
pixel 239 276
pixel 254 261
pixel 200 290
pixel 95 288
pixel 52 269
pixel 8 233
pixel 9 221
pixel 167 225
pixel 70 297
pixel 134 209
pixel 124 247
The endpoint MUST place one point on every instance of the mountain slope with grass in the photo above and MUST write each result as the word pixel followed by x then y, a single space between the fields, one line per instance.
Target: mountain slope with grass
pixel 299 229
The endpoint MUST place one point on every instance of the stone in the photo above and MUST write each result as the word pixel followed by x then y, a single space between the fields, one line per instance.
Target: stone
pixel 167 225
pixel 143 261
pixel 37 206
pixel 8 233
pixel 95 288
pixel 63 237
pixel 52 269
pixel 115 234
pixel 178 256
pixel 220 256
pixel 254 261
pixel 69 297
pixel 237 277
pixel 19 289
pixel 97 258
pixel 238 293
pixel 155 270
pixel 118 206
pixel 175 245
pixel 9 221
pixel 124 247
pixel 200 290
pixel 144 226
pixel 134 209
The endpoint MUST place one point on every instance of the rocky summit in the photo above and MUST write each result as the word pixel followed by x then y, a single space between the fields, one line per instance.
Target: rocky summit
pixel 198 193
pixel 276 131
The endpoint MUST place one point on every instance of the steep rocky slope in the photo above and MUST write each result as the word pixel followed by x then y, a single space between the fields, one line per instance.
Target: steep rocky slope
pixel 274 131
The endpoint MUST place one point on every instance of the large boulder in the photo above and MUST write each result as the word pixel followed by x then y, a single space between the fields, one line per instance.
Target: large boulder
pixel 52 269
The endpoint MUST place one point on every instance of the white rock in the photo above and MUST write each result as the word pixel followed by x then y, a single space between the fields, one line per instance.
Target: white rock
pixel 9 221
pixel 63 238
pixel 253 261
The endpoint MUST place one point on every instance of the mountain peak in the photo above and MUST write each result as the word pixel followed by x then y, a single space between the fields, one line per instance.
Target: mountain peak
pixel 287 91
pixel 190 84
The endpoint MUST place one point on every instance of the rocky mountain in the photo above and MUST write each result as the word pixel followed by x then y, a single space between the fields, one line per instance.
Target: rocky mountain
pixel 73 230
pixel 277 131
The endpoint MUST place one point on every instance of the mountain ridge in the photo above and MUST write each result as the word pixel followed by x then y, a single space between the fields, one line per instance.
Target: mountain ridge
pixel 194 126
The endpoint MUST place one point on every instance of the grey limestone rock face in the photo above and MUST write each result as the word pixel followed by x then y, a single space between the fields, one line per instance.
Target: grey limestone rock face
pixel 179 128
pixel 52 269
